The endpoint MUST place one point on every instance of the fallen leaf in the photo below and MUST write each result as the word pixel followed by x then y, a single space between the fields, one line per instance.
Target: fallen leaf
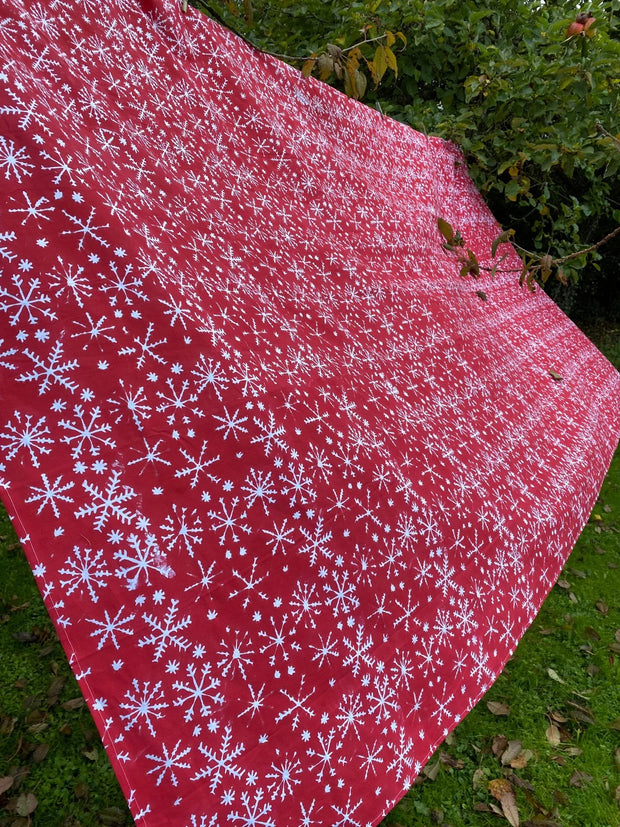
pixel 478 778
pixel 573 597
pixel 74 703
pixel 607 509
pixel 558 718
pixel 555 375
pixel 26 804
pixel 481 295
pixel 578 779
pixel 615 724
pixel 591 633
pixel 481 807
pixel 449 761
pixel 522 759
pixel 592 670
pixel 554 675
pixel 553 735
pixel 5 782
pixel 498 708
pixel 617 794
pixel 602 607
pixel 573 751
pixel 40 752
pixel 561 798
pixel 511 752
pixel 545 631
pixel 617 635
pixel 564 584
pixel 579 573
pixel 502 790
pixel 617 757
pixel 431 770
pixel 500 742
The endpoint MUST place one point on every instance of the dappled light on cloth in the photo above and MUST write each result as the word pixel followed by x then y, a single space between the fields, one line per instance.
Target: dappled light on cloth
pixel 291 487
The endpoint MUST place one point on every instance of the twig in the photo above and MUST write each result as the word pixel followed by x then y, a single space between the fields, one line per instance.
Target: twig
pixel 600 128
pixel 306 57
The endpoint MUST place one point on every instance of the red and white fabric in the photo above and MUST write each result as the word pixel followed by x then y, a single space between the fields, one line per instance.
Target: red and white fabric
pixel 291 488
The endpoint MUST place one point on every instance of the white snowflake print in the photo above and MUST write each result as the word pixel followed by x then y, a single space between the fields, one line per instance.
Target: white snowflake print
pixel 24 301
pixel 111 628
pixel 221 761
pixel 85 569
pixel 14 162
pixel 182 528
pixel 197 693
pixel 109 502
pixel 166 631
pixel 32 437
pixel 169 763
pixel 143 705
pixel 141 558
pixel 51 372
pixel 51 494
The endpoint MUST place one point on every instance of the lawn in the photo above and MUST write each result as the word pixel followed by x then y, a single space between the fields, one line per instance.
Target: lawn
pixel 543 747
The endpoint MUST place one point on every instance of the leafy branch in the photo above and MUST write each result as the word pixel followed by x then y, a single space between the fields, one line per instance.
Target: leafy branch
pixel 534 268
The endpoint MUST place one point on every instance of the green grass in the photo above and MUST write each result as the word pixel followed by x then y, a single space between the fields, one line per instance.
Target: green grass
pixel 49 744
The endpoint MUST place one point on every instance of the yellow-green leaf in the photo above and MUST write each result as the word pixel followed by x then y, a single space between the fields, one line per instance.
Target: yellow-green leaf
pixel 390 59
pixel 308 66
pixel 390 39
pixel 379 64
pixel 445 228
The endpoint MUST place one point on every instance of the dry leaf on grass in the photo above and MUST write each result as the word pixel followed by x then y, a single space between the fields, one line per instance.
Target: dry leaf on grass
pixel 553 735
pixel 579 779
pixel 510 753
pixel 498 708
pixel 502 790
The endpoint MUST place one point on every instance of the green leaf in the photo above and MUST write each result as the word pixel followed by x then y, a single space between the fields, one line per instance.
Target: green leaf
pixel 379 64
pixel 445 228
pixel 503 238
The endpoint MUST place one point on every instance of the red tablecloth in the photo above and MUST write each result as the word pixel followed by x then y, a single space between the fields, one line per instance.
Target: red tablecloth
pixel 292 489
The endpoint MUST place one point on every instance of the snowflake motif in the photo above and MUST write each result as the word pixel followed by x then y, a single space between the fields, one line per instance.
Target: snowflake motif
pixel 227 523
pixel 221 761
pixel 141 558
pixel 86 229
pixel 234 657
pixel 107 503
pixel 50 493
pixel 166 631
pixel 256 811
pixel 182 527
pixel 68 281
pixel 197 691
pixel 110 627
pixel 32 437
pixel 14 162
pixel 284 778
pixel 144 704
pixel 51 373
pixel 86 569
pixel 269 434
pixel 146 348
pixel 28 301
pixel 169 762
pixel 209 374
pixel 133 401
pixel 259 486
pixel 196 466
pixel 86 429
